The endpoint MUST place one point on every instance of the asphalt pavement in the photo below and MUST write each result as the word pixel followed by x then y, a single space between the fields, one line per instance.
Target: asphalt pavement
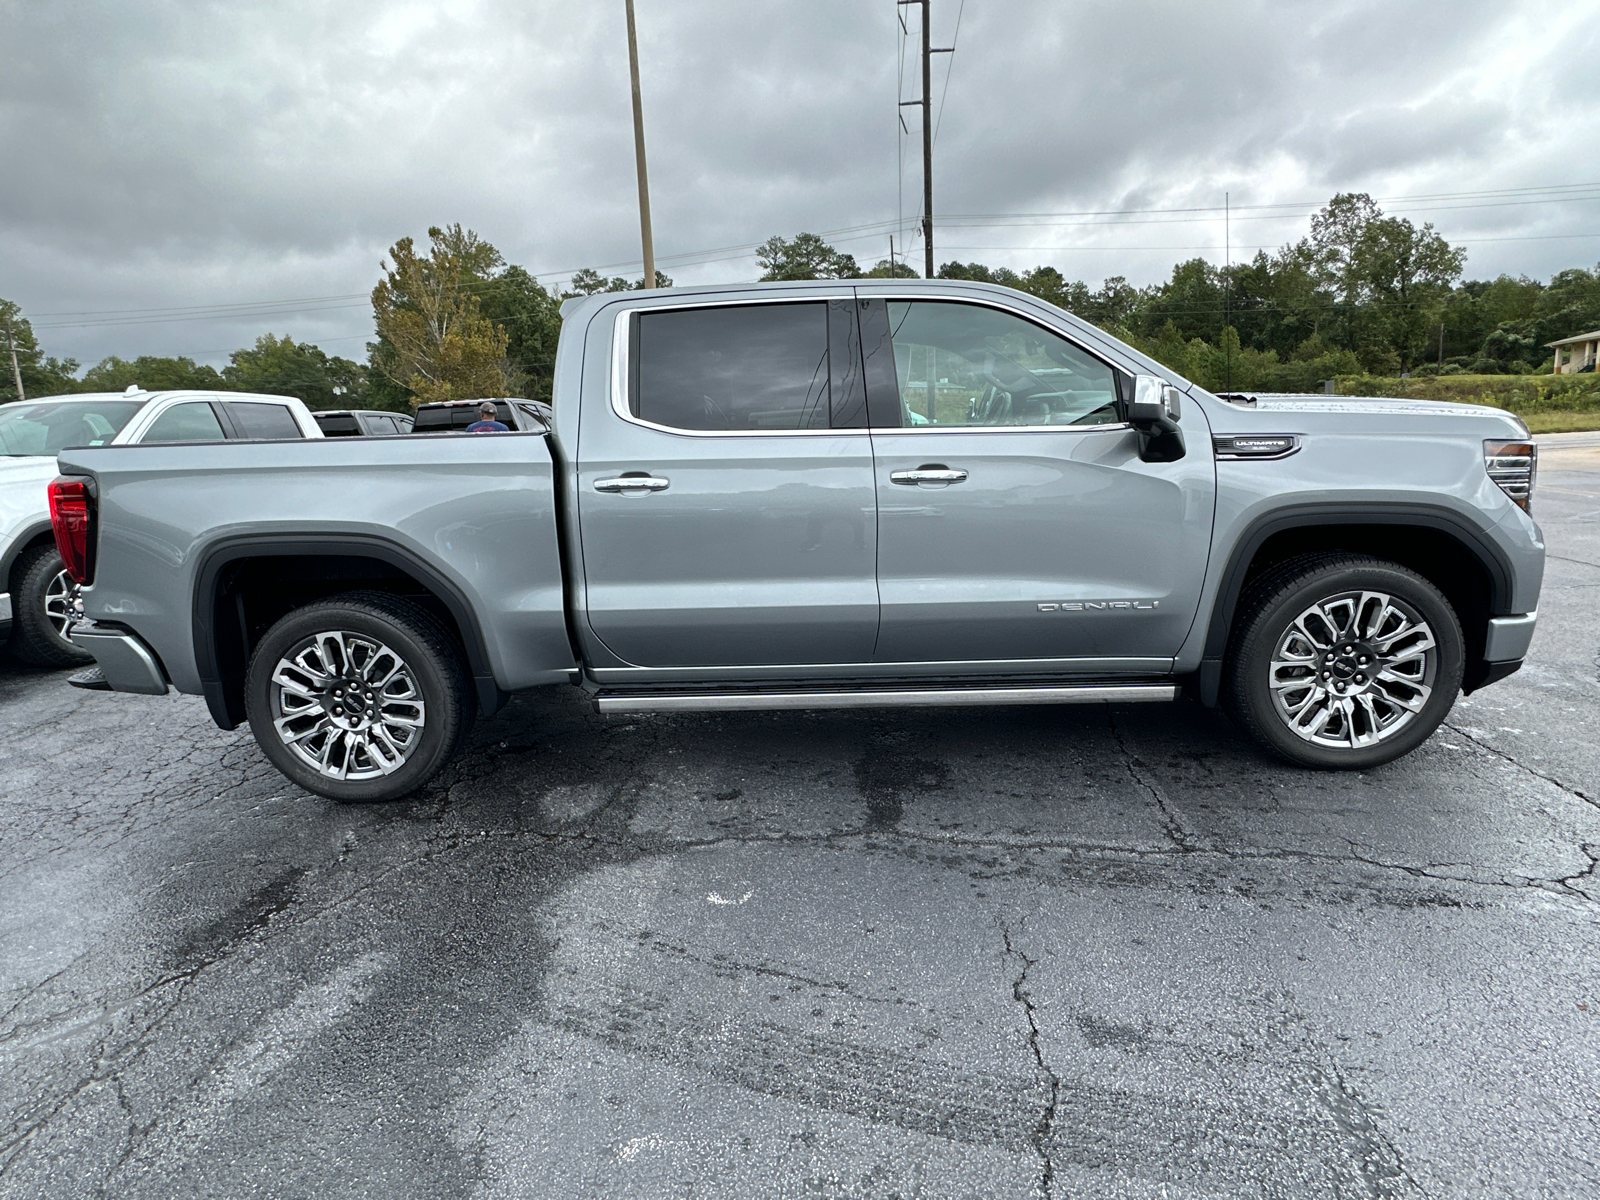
pixel 947 953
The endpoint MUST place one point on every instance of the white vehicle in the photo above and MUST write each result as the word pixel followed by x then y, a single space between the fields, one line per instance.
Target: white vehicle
pixel 38 600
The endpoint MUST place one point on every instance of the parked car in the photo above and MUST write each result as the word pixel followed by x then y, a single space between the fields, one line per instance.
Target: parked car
pixel 453 416
pixel 822 495
pixel 361 422
pixel 38 599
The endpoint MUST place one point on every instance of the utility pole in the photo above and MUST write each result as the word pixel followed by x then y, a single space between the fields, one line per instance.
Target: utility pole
pixel 928 51
pixel 16 371
pixel 638 152
pixel 1227 290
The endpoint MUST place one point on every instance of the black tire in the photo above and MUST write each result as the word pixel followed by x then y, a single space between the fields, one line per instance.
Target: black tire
pixel 433 670
pixel 35 637
pixel 1265 620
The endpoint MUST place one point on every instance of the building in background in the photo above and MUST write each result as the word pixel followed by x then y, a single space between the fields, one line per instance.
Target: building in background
pixel 1576 354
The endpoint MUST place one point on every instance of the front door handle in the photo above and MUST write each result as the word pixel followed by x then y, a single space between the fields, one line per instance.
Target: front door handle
pixel 632 483
pixel 928 473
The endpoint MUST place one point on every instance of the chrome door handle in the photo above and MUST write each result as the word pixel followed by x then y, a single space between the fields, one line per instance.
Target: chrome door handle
pixel 928 474
pixel 632 483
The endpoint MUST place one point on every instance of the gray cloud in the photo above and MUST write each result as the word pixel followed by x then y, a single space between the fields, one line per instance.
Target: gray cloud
pixel 165 154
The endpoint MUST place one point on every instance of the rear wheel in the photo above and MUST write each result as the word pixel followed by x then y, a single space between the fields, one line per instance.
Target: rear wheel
pixel 1344 661
pixel 360 697
pixel 44 610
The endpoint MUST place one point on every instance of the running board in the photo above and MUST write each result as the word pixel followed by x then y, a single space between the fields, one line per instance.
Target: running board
pixel 1098 693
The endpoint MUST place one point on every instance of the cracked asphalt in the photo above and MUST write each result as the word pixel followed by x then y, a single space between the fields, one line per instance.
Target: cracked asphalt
pixel 944 953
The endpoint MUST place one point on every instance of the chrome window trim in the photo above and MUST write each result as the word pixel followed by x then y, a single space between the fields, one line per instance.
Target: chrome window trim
pixel 619 369
pixel 1032 319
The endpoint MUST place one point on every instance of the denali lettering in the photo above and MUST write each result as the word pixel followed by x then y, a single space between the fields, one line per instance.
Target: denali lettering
pixel 1100 605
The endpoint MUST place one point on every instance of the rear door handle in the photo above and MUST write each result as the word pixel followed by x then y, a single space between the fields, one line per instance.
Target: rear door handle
pixel 632 483
pixel 928 473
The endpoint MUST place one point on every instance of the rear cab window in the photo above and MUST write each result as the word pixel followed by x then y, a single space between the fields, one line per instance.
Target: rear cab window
pixel 337 424
pixel 750 368
pixel 454 418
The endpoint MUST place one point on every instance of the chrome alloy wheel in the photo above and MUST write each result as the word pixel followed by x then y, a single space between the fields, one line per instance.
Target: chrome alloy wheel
pixel 63 606
pixel 347 705
pixel 1353 670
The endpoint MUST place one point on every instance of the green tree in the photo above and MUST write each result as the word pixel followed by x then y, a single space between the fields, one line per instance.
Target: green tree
pixel 589 282
pixel 153 374
pixel 433 339
pixel 284 367
pixel 883 269
pixel 804 256
pixel 530 314
pixel 41 376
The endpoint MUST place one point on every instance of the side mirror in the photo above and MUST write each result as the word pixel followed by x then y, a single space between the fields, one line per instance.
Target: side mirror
pixel 1154 411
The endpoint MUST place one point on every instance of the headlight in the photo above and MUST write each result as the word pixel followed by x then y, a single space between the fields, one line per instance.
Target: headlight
pixel 1513 466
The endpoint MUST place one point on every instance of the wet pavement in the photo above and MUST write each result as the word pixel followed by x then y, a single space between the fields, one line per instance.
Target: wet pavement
pixel 986 953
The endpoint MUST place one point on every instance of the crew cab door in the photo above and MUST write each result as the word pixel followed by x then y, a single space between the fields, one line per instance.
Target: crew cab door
pixel 1015 517
pixel 725 488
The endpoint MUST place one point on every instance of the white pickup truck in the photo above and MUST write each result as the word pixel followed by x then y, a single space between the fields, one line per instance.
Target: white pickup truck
pixel 39 602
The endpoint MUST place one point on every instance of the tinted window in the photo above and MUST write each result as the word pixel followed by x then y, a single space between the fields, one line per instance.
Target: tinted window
pixel 192 421
pixel 337 425
pixel 383 426
pixel 964 364
pixel 51 428
pixel 760 367
pixel 256 420
pixel 453 418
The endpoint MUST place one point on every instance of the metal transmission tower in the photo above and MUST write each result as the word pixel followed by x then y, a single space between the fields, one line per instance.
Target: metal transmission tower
pixel 928 51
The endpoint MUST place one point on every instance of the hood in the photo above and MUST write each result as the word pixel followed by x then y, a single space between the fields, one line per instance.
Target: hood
pixel 1259 411
pixel 21 471
pixel 1319 402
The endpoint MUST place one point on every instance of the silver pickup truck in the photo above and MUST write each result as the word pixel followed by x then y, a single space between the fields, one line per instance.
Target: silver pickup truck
pixel 821 495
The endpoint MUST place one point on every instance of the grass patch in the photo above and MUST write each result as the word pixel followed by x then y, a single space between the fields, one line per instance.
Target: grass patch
pixel 1574 397
pixel 1561 422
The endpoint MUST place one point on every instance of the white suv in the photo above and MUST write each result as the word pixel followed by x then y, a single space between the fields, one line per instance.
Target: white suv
pixel 38 601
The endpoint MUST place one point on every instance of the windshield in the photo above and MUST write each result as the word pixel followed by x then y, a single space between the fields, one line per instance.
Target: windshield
pixel 51 428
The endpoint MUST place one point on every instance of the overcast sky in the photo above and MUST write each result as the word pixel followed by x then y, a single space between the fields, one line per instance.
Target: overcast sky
pixel 255 152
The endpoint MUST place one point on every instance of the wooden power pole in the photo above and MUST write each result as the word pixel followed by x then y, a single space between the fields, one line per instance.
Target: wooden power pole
pixel 638 152
pixel 16 371
pixel 926 103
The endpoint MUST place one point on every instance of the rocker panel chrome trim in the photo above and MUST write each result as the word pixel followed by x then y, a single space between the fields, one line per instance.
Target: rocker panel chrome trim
pixel 885 698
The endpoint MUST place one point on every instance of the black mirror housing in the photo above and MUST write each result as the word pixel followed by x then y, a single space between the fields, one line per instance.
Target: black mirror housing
pixel 1154 410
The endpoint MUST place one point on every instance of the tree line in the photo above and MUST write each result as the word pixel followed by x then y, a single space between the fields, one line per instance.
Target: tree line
pixel 1363 293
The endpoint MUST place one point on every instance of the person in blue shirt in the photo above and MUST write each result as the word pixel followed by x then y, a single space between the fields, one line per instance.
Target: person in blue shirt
pixel 486 422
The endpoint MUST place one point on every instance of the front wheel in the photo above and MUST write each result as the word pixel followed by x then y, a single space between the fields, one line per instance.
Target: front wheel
pixel 1344 661
pixel 360 697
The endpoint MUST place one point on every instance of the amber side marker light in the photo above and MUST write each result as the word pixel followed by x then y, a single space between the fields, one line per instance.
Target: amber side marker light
pixel 1513 467
pixel 71 509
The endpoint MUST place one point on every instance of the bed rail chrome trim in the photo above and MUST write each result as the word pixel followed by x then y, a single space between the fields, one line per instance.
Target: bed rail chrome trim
pixel 1099 693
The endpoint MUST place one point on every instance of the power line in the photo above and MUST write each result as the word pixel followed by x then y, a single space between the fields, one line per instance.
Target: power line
pixel 1553 193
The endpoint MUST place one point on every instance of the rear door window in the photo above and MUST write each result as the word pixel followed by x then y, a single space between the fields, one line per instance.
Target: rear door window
pixel 739 369
pixel 258 420
pixel 191 421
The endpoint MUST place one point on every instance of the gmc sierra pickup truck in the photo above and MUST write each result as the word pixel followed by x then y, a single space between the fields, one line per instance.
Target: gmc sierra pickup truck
pixel 811 495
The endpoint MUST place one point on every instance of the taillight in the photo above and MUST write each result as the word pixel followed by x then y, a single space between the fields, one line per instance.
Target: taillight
pixel 71 508
pixel 1513 466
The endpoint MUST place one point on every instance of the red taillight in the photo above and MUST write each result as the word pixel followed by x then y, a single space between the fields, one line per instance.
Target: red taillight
pixel 69 518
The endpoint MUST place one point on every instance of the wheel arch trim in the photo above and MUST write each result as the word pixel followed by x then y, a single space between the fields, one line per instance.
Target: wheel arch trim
pixel 1437 518
pixel 27 536
pixel 227 709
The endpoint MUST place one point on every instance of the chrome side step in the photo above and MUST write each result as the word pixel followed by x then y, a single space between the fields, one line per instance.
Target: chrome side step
pixel 1094 693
